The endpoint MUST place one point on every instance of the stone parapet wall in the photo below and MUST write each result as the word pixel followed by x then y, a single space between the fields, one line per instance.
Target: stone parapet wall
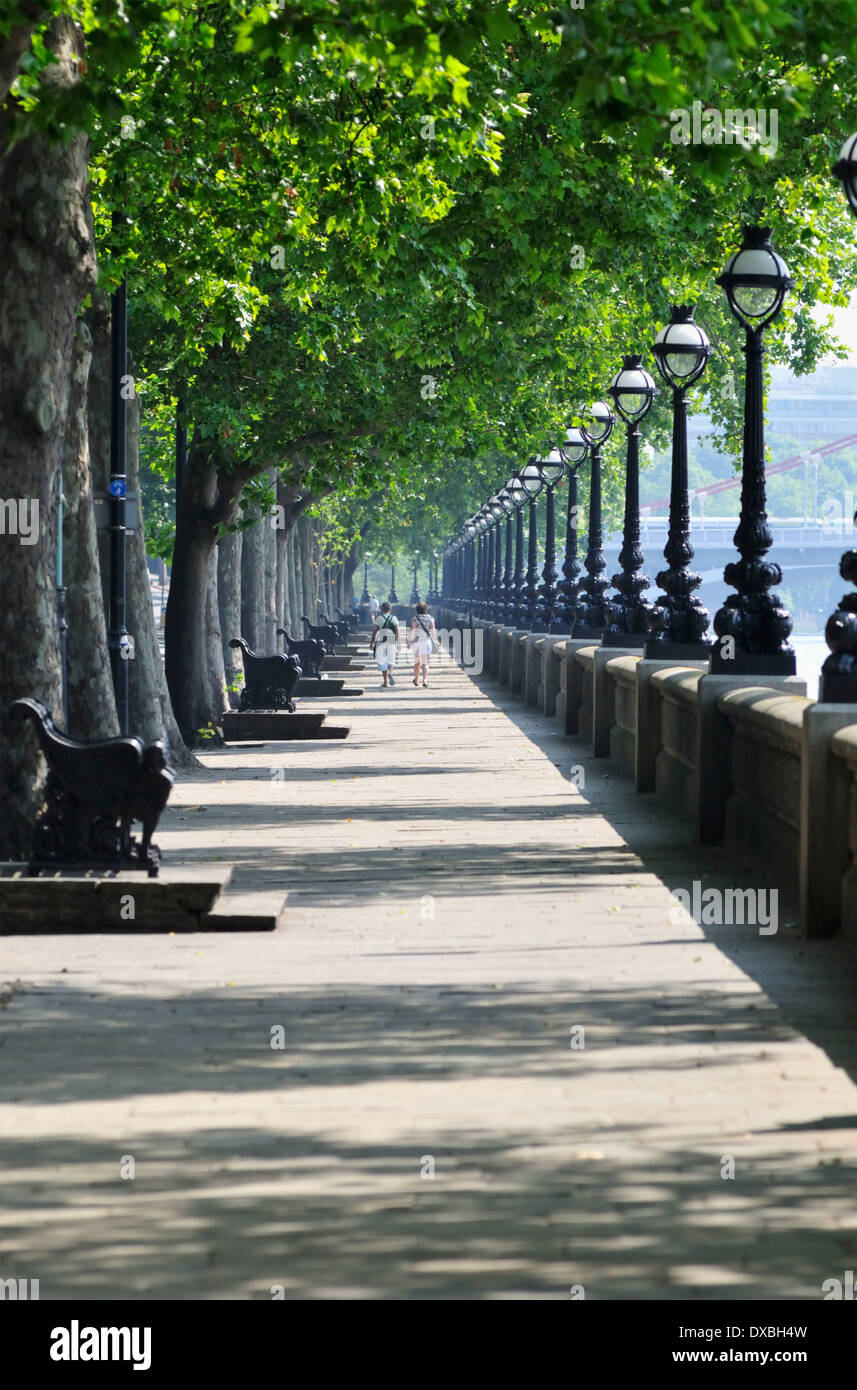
pixel 750 762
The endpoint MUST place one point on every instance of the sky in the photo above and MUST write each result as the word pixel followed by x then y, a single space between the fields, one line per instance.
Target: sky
pixel 845 322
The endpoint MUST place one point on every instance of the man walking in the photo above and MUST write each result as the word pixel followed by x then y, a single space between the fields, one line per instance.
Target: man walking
pixel 385 643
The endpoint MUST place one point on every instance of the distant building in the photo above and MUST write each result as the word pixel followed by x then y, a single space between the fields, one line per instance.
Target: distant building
pixel 812 409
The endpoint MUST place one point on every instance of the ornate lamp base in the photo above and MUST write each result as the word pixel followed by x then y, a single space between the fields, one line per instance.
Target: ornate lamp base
pixel 677 651
pixel 752 663
pixel 587 630
pixel 612 638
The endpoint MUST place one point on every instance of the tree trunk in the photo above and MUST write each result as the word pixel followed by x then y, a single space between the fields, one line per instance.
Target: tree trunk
pixel 350 563
pixel 98 424
pixel 270 610
pixel 293 618
pixel 229 604
pixel 253 585
pixel 150 714
pixel 310 572
pixel 47 265
pixel 208 498
pixel 91 702
pixel 214 643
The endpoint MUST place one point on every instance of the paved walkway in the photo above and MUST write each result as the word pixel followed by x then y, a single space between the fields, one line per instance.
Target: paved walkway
pixel 458 906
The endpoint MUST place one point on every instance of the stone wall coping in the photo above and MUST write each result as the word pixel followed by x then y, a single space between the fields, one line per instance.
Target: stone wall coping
pixel 776 718
pixel 844 744
pixel 624 669
pixel 586 655
pixel 559 648
pixel 680 682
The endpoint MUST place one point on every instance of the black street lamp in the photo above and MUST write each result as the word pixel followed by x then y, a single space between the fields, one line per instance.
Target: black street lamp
pixel 498 512
pixel 838 684
pixel 393 596
pixel 504 497
pixel 415 593
pixel 552 470
pixel 574 451
pixel 633 391
pixel 452 572
pixel 590 617
pixel 481 562
pixel 515 609
pixel 532 482
pixel 487 561
pixel 753 626
pixel 365 597
pixel 471 574
pixel 681 351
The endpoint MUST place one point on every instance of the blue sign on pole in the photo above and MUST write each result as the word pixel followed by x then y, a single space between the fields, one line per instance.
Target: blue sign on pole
pixel 117 487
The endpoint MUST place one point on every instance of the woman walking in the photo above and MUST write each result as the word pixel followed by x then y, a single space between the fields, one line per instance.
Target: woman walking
pixel 422 639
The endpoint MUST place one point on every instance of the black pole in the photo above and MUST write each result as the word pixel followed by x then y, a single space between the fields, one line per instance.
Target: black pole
pixel 394 597
pixel 496 603
pixel 531 584
pixel 117 638
pixel 628 610
pixel 590 616
pixel 517 599
pixel 753 627
pixel 502 608
pixel 546 610
pixel 679 618
pixel 570 564
pixel 489 570
pixel 61 621
pixel 365 597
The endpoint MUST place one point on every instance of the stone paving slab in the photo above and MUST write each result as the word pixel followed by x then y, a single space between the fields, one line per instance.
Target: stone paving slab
pixel 458 910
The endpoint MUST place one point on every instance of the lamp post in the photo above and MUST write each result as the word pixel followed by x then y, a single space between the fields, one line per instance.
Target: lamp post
pixel 532 483
pixel 681 351
pixel 501 608
pixel 393 596
pixel 574 450
pixel 838 684
pixel 118 641
pixel 552 470
pixel 590 615
pixel 753 627
pixel 470 570
pixel 515 592
pixel 415 593
pixel 485 527
pixel 495 597
pixel 479 565
pixel 365 597
pixel 632 391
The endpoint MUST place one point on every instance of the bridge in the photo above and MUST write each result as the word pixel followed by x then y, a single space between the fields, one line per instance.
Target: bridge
pixel 807 550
